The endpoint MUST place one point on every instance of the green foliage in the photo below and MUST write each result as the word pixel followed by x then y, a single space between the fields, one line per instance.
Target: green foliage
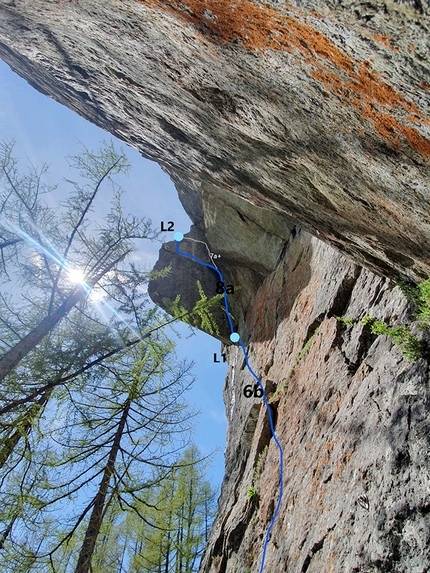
pixel 409 344
pixel 367 320
pixel 346 320
pixel 249 561
pixel 400 335
pixel 282 386
pixel 411 293
pixel 181 509
pixel 260 461
pixel 306 346
pixel 251 492
pixel 134 403
pixel 419 297
pixel 200 316
pixel 423 316
pixel 40 242
pixel 91 409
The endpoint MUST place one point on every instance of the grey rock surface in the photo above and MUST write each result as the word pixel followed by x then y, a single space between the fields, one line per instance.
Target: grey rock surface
pixel 351 414
pixel 247 243
pixel 315 110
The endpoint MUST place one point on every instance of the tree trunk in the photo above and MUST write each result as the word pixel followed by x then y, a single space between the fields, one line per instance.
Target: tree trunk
pixel 167 562
pixel 7 531
pixel 96 519
pixel 181 540
pixel 206 519
pixel 10 443
pixel 189 538
pixel 122 559
pixel 14 356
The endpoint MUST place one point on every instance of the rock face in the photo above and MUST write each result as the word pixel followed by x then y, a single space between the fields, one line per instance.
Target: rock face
pixel 351 412
pixel 288 129
pixel 352 418
pixel 248 243
pixel 315 109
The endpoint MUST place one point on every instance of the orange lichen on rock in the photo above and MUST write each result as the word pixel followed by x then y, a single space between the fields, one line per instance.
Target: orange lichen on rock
pixel 262 27
pixel 227 21
pixel 370 96
pixel 385 40
pixel 364 87
pixel 256 26
pixel 416 141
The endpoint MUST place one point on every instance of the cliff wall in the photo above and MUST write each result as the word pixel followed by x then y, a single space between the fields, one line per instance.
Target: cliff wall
pixel 352 418
pixel 298 138
pixel 351 412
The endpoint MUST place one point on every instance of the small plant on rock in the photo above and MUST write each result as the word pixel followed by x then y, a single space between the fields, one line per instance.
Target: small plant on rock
pixel 409 344
pixel 252 492
pixel 419 297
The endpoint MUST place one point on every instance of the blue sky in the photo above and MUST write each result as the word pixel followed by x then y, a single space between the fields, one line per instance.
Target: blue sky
pixel 46 132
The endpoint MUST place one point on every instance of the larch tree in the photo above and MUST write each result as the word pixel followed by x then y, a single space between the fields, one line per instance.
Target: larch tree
pixel 126 419
pixel 54 260
pixel 93 420
pixel 182 512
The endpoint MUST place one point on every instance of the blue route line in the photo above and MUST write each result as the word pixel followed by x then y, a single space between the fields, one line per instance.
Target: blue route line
pixel 264 397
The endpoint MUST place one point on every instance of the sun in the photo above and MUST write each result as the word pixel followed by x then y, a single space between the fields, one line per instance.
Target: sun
pixel 76 276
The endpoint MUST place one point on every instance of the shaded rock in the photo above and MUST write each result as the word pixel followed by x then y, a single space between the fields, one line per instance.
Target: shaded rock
pixel 179 281
pixel 246 241
pixel 315 110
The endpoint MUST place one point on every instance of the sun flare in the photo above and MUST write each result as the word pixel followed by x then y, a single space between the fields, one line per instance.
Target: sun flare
pixel 97 295
pixel 76 276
